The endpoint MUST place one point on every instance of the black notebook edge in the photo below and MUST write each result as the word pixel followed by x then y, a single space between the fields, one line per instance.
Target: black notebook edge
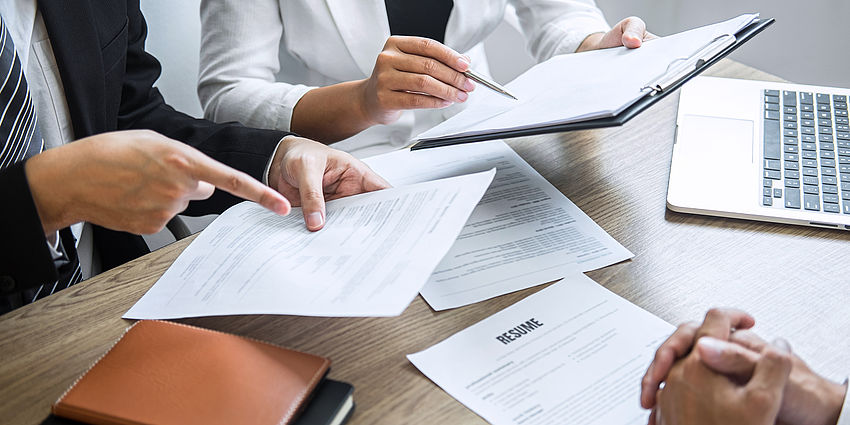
pixel 741 37
pixel 332 403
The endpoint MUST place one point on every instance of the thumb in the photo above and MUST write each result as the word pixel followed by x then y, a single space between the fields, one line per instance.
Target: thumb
pixel 311 193
pixel 727 358
pixel 634 30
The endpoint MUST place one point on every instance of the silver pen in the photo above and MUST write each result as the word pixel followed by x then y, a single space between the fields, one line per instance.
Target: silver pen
pixel 474 76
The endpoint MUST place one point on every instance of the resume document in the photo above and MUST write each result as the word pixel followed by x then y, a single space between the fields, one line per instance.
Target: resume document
pixel 374 254
pixel 524 232
pixel 573 353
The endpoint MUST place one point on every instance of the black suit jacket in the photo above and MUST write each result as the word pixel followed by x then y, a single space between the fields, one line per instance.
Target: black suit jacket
pixel 108 79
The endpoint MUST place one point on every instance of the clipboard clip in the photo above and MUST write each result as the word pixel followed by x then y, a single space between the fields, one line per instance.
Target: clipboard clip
pixel 682 67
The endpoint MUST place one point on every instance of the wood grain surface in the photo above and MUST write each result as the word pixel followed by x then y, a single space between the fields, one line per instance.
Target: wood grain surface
pixel 793 279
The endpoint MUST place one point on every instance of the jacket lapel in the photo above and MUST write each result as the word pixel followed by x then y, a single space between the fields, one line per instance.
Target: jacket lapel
pixel 364 28
pixel 73 35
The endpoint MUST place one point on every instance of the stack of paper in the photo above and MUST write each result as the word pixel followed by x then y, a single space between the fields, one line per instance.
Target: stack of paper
pixel 523 233
pixel 378 249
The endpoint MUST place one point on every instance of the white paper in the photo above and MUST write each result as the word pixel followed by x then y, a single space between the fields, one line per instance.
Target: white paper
pixel 582 365
pixel 374 254
pixel 523 233
pixel 581 86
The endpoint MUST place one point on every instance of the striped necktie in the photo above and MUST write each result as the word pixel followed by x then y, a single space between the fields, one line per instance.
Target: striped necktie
pixel 18 122
pixel 20 138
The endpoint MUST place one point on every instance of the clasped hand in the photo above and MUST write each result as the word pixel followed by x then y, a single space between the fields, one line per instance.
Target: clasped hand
pixel 720 372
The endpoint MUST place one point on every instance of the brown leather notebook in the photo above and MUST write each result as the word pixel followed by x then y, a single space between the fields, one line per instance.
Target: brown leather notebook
pixel 168 373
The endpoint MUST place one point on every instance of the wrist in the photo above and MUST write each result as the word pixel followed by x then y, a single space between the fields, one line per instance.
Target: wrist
pixel 275 169
pixel 50 191
pixel 590 42
pixel 833 395
pixel 363 103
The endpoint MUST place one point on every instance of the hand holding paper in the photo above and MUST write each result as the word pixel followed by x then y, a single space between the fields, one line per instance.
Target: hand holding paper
pixel 579 87
pixel 374 255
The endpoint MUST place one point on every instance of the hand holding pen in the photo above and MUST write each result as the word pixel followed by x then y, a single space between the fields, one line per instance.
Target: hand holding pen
pixel 417 73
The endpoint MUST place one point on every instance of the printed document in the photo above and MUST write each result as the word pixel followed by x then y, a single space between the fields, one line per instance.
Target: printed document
pixel 582 86
pixel 523 233
pixel 573 353
pixel 374 254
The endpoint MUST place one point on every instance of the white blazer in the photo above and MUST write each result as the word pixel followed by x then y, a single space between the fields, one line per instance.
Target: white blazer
pixel 258 57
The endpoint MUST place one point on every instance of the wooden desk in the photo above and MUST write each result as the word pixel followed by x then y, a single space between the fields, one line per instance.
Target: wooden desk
pixel 795 280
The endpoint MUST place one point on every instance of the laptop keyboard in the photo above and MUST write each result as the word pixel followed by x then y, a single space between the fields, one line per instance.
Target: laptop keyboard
pixel 806 162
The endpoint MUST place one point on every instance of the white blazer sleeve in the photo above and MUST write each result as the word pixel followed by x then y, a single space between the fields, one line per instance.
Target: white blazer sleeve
pixel 240 42
pixel 555 27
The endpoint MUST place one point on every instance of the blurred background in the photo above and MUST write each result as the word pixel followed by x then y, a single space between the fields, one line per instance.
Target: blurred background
pixel 804 46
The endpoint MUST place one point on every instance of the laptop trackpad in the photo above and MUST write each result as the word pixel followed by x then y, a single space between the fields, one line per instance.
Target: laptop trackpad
pixel 706 139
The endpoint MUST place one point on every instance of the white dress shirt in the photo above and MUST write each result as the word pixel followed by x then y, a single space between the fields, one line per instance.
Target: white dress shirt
pixel 35 52
pixel 258 58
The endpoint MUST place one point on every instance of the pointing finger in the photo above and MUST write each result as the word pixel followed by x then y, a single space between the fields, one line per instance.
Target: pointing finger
pixel 238 183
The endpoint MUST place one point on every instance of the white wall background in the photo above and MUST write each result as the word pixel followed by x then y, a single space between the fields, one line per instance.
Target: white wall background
pixel 804 45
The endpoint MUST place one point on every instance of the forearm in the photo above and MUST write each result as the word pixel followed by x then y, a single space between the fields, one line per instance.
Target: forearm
pixel 330 114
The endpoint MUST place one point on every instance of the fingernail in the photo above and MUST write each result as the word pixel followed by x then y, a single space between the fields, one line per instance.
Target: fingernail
pixel 446 104
pixel 281 207
pixel 463 63
pixel 314 220
pixel 711 347
pixel 469 85
pixel 462 96
pixel 782 344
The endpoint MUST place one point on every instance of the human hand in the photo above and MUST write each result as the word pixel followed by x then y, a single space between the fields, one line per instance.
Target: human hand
pixel 718 323
pixel 413 73
pixel 133 181
pixel 808 398
pixel 308 173
pixel 630 32
pixel 695 395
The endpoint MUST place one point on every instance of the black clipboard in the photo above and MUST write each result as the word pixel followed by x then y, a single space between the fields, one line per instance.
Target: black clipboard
pixel 658 89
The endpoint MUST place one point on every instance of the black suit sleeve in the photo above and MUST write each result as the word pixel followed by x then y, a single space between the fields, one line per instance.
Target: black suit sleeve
pixel 25 260
pixel 142 107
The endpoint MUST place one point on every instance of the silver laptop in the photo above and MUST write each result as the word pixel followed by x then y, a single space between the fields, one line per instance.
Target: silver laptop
pixel 764 151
